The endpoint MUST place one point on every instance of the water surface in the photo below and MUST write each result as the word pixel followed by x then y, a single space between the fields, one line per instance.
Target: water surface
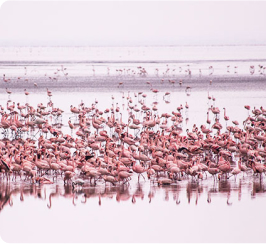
pixel 186 211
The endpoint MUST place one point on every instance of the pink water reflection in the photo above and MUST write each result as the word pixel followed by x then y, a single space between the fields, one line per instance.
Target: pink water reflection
pixel 137 213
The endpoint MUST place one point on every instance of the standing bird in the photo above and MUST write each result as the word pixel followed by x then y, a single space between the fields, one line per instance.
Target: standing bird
pixel 9 93
pixel 247 107
pixel 236 171
pixel 139 170
pixel 4 78
pixel 208 119
pixel 211 70
pixel 26 92
pixel 226 118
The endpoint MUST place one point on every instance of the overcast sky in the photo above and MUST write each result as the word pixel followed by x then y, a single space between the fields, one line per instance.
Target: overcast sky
pixel 132 23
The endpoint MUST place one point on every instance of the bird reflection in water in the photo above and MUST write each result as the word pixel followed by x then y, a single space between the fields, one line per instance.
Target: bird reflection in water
pixel 5 196
pixel 123 194
pixel 53 194
pixel 138 193
pixel 224 187
pixel 194 187
pixel 258 188
pixel 14 193
pixel 9 191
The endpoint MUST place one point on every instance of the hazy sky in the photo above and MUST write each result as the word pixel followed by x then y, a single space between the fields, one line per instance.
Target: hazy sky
pixel 131 23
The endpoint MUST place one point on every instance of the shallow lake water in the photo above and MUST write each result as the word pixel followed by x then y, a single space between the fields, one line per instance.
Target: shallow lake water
pixel 186 211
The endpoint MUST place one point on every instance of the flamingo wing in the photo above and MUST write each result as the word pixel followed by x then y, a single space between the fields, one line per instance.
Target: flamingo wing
pixel 7 167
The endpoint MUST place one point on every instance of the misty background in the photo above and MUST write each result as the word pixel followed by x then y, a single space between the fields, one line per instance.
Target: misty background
pixel 129 23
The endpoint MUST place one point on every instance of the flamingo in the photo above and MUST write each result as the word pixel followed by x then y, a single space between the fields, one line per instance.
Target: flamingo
pixel 139 170
pixel 226 118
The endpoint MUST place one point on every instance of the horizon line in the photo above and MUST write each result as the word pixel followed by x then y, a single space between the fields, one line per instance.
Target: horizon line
pixel 181 45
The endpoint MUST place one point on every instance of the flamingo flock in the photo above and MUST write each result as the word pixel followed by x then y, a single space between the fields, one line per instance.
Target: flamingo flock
pixel 104 149
pixel 168 72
